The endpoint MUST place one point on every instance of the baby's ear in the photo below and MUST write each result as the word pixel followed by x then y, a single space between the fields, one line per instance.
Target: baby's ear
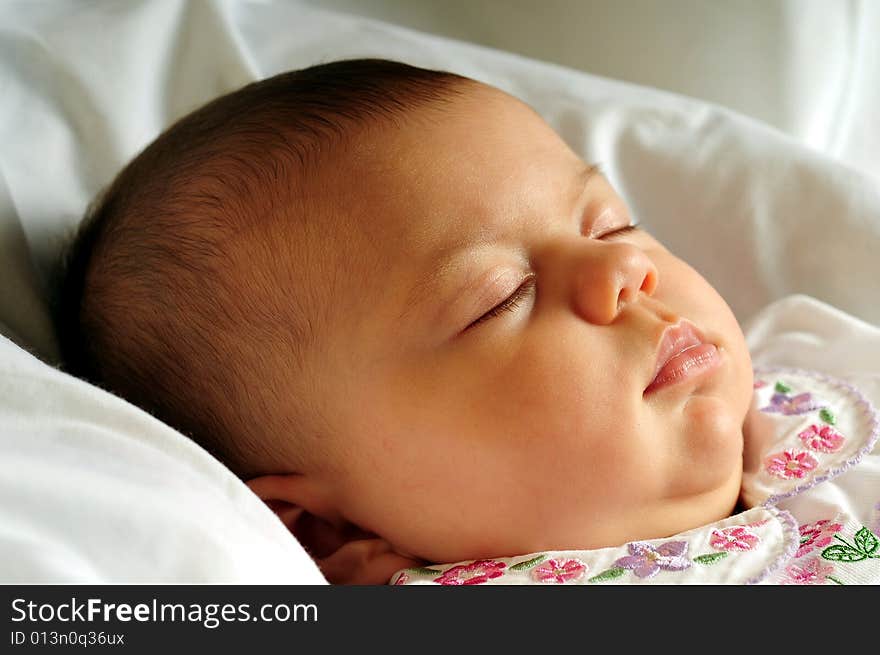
pixel 344 553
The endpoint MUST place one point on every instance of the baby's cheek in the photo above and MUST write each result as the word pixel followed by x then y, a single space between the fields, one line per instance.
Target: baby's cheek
pixel 713 442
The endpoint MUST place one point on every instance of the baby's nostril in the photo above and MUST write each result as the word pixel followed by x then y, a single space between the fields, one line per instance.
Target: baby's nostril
pixel 649 283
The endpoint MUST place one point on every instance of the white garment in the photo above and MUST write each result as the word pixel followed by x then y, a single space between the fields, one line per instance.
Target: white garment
pixel 811 476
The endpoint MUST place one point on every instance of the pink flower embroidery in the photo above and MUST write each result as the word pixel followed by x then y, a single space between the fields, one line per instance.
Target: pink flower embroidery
pixel 736 538
pixel 813 572
pixel 789 464
pixel 559 571
pixel 824 438
pixel 816 535
pixel 474 573
pixel 402 579
pixel 759 383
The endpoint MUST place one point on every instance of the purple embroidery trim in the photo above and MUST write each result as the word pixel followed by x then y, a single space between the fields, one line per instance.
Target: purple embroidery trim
pixel 792 536
pixel 793 405
pixel 646 560
pixel 860 401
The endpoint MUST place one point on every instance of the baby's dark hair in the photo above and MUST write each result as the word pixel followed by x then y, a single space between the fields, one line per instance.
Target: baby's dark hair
pixel 154 299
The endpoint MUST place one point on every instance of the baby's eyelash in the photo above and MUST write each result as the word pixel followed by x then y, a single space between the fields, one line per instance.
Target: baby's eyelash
pixel 626 229
pixel 511 303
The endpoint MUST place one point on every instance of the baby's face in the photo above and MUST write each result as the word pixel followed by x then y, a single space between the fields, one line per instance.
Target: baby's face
pixel 492 342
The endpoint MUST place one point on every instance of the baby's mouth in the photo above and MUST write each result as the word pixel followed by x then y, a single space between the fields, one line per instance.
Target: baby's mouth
pixel 682 353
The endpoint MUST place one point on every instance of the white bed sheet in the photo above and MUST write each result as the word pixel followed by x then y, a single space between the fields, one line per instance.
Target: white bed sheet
pixel 85 85
pixel 806 67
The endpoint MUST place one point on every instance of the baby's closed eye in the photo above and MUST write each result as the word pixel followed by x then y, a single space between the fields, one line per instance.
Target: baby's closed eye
pixel 528 285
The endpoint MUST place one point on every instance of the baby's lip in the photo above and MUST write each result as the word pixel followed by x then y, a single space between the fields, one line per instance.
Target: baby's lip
pixel 675 339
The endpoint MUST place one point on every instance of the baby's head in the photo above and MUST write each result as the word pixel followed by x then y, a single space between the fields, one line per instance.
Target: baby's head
pixel 415 321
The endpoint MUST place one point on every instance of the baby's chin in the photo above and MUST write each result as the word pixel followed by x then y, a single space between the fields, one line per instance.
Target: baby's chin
pixel 713 435
pixel 711 424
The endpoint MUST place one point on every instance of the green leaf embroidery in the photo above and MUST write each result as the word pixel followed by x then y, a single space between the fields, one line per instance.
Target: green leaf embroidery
pixel 866 541
pixel 838 553
pixel 827 416
pixel 522 566
pixel 866 545
pixel 711 558
pixel 610 574
pixel 781 387
pixel 423 570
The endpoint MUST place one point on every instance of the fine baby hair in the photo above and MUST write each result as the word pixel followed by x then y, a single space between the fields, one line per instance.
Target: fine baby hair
pixel 149 303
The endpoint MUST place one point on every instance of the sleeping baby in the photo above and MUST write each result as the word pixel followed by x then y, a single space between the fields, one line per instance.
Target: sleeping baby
pixel 434 341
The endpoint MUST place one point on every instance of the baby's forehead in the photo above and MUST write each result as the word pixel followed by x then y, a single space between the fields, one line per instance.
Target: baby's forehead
pixel 388 208
pixel 444 163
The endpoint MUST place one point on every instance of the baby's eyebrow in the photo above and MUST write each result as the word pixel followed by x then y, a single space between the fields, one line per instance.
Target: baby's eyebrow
pixel 426 289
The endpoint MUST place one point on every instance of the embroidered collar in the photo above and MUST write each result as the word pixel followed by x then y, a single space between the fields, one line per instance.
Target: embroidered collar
pixel 803 428
pixel 742 549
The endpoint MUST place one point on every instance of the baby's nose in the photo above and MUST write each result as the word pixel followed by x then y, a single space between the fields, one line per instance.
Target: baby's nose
pixel 608 276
